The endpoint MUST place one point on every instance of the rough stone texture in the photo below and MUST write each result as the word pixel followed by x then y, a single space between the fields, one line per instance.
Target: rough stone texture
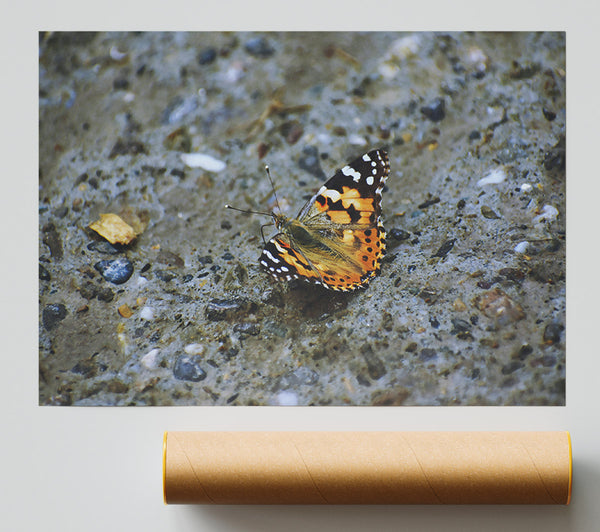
pixel 470 306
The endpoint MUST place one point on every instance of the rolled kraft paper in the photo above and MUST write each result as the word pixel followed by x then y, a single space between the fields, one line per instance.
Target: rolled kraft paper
pixel 367 467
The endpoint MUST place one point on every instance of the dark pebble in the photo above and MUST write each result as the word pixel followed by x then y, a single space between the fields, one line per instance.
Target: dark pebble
pixel 548 115
pixel 116 271
pixel 459 325
pixel 86 368
pixel 165 275
pixel 375 365
pixel 127 147
pixel 427 354
pixel 187 278
pixel 61 212
pixel 178 173
pixel 399 234
pixel 513 274
pixel 170 259
pixel 297 377
pixel 435 111
pixel 513 366
pixel 291 131
pixel 259 47
pixel 445 248
pixel 461 204
pixel 226 224
pixel 429 203
pixel 221 309
pixel 120 84
pixel 207 259
pixel 44 274
pixel 489 213
pixel 552 333
pixel 474 135
pixel 105 294
pixel 556 158
pixel 103 247
pixel 187 368
pixel 524 351
pixel 207 56
pixel 88 290
pixel 52 239
pixel 227 256
pixel 309 161
pixel 52 315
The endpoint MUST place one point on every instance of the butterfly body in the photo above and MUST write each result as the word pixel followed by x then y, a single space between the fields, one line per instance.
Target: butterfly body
pixel 337 240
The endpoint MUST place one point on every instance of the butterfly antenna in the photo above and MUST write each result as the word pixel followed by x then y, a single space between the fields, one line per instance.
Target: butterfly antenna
pixel 272 186
pixel 246 211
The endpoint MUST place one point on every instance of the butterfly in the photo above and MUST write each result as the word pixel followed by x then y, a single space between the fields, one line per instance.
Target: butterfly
pixel 337 240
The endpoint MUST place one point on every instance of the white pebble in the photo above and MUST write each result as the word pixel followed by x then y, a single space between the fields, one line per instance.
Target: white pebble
pixel 521 247
pixel 526 187
pixel 287 399
pixel 194 349
pixel 147 313
pixel 357 140
pixel 495 176
pixel 128 97
pixel 201 160
pixel 150 359
pixel 548 213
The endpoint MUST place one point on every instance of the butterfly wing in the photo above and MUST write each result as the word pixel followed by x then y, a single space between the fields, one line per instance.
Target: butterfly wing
pixel 338 239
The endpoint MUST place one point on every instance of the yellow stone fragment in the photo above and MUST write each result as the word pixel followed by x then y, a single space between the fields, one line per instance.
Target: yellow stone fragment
pixel 113 228
pixel 406 137
pixel 125 311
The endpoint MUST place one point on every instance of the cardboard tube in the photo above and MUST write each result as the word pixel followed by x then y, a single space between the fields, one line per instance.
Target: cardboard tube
pixel 367 467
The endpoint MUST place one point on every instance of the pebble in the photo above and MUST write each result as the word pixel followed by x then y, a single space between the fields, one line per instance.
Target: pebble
pixel 52 315
pixel 435 111
pixel 287 398
pixel 309 161
pixel 207 56
pixel 521 247
pixel 445 248
pixel 259 47
pixel 201 160
pixel 221 309
pixel 427 354
pixel 147 313
pixel 178 109
pixel 150 360
pixel 552 333
pixel 187 368
pixel 44 274
pixel 247 328
pixel 489 213
pixel 399 234
pixel 103 247
pixel 194 349
pixel 498 175
pixel 549 213
pixel 52 239
pixel 127 147
pixel 116 271
pixel 298 377
pixel 375 365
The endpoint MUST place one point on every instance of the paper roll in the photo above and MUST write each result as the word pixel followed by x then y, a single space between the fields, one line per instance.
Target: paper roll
pixel 367 467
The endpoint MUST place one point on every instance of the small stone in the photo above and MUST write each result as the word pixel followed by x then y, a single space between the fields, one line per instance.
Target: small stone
pixel 427 354
pixel 115 271
pixel 127 147
pixel 459 325
pixel 552 333
pixel 194 349
pixel 499 306
pixel 178 109
pixel 207 56
pixel 459 305
pixel 52 239
pixel 204 161
pixel 125 311
pixel 222 309
pixel 120 84
pixel 147 313
pixel 556 157
pixel 474 135
pixel 52 315
pixel 287 398
pixel 489 213
pixel 44 274
pixel 150 359
pixel 309 161
pixel 259 47
pixel 511 367
pixel 445 248
pixel 399 234
pixel 103 247
pixel 105 294
pixel 187 368
pixel 548 115
pixel 498 175
pixel 375 365
pixel 436 110
pixel 165 275
pixel 291 131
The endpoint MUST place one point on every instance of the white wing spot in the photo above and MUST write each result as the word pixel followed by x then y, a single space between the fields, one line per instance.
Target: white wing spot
pixel 349 171
pixel 366 157
pixel 271 258
pixel 370 180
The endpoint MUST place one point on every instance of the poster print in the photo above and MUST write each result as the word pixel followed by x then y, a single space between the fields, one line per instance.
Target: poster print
pixel 436 279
